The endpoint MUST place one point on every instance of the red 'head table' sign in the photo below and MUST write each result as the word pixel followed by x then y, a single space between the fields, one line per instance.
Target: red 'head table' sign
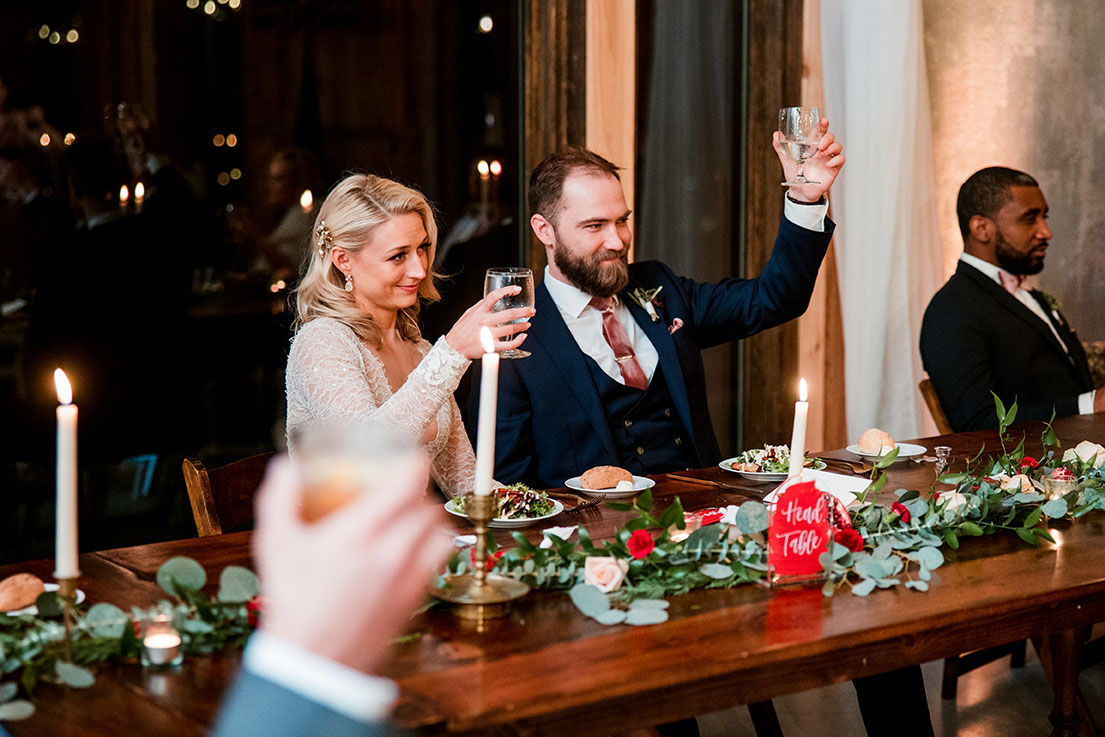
pixel 799 531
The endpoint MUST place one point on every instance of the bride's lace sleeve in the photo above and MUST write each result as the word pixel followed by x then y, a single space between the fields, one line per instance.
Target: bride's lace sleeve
pixel 327 381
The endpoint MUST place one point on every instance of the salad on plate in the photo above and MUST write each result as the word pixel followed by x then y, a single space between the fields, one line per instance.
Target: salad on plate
pixel 516 501
pixel 769 459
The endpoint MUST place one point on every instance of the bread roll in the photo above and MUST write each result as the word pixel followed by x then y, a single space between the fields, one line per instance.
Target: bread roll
pixel 19 591
pixel 604 477
pixel 874 441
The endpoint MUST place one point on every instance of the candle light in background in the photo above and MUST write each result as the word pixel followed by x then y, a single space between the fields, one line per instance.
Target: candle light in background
pixel 124 197
pixel 66 515
pixel 798 436
pixel 139 196
pixel 489 395
pixel 484 170
pixel 307 201
pixel 496 168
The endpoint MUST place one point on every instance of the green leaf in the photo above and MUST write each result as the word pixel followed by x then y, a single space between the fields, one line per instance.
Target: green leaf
pixel 107 620
pixel 999 408
pixel 917 585
pixel 238 584
pixel 970 528
pixel 1055 509
pixel 924 574
pixel 610 616
pixel 1034 517
pixel 584 539
pixel 930 558
pixel 49 604
pixel 752 517
pixel 588 599
pixel 644 500
pixel 639 617
pixel 673 515
pixel 73 676
pixel 886 460
pixel 905 495
pixel 8 692
pixel 828 589
pixel 715 571
pixel 877 485
pixel 649 604
pixel 1027 536
pixel 1042 533
pixel 951 538
pixel 1011 415
pixel 13 711
pixel 701 540
pixel 864 587
pixel 620 506
pixel 181 575
pixel 525 547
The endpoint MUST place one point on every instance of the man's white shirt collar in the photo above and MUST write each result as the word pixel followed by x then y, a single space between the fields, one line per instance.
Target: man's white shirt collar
pixel 987 268
pixel 570 300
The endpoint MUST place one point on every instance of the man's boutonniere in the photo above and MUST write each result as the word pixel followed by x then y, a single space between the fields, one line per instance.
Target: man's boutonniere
pixel 646 298
pixel 1053 305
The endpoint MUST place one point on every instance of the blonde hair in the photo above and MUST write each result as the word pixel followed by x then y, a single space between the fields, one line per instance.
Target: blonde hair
pixel 352 211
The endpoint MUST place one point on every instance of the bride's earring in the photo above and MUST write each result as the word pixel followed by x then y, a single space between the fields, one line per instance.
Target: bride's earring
pixel 349 282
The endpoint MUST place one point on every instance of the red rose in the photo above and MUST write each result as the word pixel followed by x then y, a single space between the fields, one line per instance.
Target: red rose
pixel 1028 463
pixel 640 544
pixel 137 627
pixel 849 538
pixel 255 607
pixel 900 509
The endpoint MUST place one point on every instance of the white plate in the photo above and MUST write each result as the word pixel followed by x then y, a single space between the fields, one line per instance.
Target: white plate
pixel 33 609
pixel 640 483
pixel 906 450
pixel 504 523
pixel 727 464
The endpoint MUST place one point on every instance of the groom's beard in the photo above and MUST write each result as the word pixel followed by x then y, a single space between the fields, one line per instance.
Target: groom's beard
pixel 1015 262
pixel 602 274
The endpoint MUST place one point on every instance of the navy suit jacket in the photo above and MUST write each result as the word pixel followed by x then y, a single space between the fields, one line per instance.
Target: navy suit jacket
pixel 551 421
pixel 977 338
pixel 257 707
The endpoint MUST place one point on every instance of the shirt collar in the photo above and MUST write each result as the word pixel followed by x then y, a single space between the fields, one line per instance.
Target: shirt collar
pixel 569 300
pixel 987 268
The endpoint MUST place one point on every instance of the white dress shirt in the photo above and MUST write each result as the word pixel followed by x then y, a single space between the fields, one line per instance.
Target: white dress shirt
pixel 1024 296
pixel 585 322
pixel 341 688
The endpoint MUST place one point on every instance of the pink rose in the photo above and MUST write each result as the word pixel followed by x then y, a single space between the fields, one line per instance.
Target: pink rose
pixel 1020 482
pixel 606 573
pixel 954 500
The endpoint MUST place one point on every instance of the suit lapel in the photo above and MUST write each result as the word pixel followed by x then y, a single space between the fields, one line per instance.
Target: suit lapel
pixel 1074 345
pixel 1010 303
pixel 657 332
pixel 561 349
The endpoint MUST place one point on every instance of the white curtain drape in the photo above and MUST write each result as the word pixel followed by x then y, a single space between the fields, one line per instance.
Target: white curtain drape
pixel 887 244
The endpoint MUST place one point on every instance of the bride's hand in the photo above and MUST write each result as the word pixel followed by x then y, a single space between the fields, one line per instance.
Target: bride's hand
pixel 465 335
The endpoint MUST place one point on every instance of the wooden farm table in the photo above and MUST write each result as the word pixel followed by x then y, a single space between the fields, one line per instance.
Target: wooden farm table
pixel 546 669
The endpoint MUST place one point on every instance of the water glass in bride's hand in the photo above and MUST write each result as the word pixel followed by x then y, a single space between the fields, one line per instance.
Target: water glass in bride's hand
pixel 339 462
pixel 800 128
pixel 507 277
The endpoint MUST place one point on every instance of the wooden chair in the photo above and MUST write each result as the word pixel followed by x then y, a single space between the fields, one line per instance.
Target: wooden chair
pixel 222 498
pixel 935 409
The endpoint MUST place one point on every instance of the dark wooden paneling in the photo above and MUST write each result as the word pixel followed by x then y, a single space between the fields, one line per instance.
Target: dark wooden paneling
pixel 774 81
pixel 555 61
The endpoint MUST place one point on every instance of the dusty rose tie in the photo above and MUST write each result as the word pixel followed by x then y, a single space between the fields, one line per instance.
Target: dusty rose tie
pixel 1010 282
pixel 616 337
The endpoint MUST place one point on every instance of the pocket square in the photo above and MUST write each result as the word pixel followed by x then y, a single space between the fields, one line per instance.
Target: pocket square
pixel 675 325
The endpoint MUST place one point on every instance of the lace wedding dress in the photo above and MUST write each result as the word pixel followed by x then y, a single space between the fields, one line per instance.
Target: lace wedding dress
pixel 333 377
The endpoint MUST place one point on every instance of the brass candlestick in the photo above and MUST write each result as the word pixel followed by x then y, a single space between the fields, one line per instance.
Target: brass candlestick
pixel 478 596
pixel 67 590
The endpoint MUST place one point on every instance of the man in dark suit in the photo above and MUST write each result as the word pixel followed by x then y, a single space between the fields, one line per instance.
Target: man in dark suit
pixel 986 330
pixel 616 376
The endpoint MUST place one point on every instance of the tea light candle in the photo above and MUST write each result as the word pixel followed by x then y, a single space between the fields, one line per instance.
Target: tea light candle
pixel 798 436
pixel 161 643
pixel 485 436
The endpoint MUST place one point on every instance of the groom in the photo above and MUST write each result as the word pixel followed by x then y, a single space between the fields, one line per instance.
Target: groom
pixel 616 376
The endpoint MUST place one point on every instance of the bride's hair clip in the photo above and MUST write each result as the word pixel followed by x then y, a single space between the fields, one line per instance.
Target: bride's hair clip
pixel 325 241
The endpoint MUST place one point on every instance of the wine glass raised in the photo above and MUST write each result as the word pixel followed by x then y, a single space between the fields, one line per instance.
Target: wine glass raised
pixel 506 277
pixel 801 132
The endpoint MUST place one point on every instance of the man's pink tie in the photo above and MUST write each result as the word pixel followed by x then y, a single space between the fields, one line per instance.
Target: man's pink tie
pixel 1010 282
pixel 616 337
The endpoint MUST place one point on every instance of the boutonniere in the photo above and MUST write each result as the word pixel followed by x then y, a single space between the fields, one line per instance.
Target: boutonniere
pixel 646 298
pixel 1054 305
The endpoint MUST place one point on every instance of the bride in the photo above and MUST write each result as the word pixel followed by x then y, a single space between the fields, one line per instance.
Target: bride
pixel 358 353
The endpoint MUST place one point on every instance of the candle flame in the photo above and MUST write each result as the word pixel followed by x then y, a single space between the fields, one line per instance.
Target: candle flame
pixel 306 200
pixel 124 194
pixel 139 192
pixel 496 167
pixel 483 168
pixel 65 389
pixel 486 340
pixel 802 390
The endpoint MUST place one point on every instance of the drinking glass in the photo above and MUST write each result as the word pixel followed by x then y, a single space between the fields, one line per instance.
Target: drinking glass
pixel 506 277
pixel 800 127
pixel 943 455
pixel 339 461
